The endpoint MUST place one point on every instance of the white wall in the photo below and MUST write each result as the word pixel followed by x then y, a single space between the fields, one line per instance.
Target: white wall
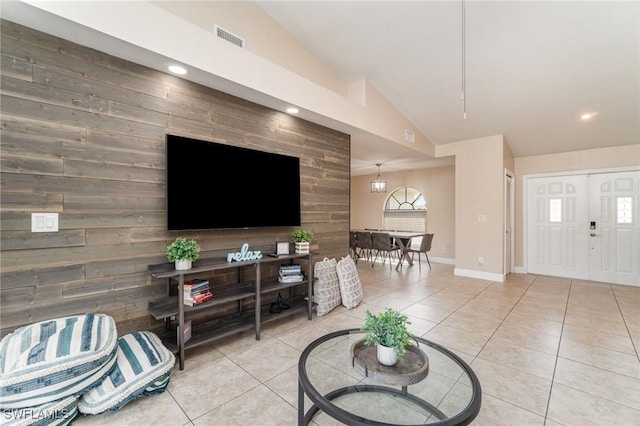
pixel 479 214
pixel 436 184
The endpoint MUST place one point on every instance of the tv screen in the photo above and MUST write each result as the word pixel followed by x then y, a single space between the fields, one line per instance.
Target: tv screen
pixel 216 186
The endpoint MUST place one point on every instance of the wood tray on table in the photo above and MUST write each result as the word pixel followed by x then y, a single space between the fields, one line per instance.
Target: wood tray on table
pixel 413 368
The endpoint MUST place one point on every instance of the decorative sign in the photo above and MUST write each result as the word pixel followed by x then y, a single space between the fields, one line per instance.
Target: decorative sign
pixel 244 254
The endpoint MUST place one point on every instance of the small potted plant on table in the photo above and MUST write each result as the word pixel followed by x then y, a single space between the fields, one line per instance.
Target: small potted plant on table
pixel 301 238
pixel 183 252
pixel 388 331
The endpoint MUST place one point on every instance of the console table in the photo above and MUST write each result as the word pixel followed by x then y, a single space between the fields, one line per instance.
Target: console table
pixel 171 308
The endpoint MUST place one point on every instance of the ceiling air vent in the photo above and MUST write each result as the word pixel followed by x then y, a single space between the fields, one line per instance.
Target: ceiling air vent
pixel 409 136
pixel 231 38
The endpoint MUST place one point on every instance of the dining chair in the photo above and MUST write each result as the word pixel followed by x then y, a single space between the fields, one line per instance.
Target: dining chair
pixel 364 244
pixel 425 247
pixel 383 246
pixel 353 245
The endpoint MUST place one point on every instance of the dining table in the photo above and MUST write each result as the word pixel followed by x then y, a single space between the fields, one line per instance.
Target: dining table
pixel 402 239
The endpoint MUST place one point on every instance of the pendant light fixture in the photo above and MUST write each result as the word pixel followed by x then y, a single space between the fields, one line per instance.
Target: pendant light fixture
pixel 378 185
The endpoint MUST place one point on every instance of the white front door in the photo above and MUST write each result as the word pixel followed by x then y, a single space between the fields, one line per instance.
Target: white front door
pixel 585 226
pixel 615 238
pixel 557 218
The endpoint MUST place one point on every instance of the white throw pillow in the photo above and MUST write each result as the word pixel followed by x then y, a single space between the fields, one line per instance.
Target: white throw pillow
pixel 326 290
pixel 350 287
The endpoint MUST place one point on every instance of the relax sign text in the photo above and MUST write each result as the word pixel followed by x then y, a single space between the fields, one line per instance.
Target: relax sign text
pixel 244 254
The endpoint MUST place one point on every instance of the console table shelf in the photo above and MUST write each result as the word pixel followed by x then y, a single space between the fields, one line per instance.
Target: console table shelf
pixel 168 306
pixel 274 285
pixel 171 307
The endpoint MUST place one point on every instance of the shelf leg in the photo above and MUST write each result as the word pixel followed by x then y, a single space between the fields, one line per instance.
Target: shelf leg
pixel 310 289
pixel 181 320
pixel 257 306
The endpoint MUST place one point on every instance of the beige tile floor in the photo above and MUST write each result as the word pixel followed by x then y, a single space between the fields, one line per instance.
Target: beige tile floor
pixel 547 351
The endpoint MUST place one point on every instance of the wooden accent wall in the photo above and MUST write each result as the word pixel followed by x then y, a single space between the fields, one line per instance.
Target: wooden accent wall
pixel 83 135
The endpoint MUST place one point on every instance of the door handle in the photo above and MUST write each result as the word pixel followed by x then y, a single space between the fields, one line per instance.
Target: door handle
pixel 593 234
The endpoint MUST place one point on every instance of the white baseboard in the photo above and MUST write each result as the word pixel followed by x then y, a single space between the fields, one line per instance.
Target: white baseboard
pixel 520 270
pixel 489 276
pixel 445 260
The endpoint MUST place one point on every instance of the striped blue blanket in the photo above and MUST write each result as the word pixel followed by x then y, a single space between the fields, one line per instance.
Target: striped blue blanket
pixel 51 360
pixel 143 368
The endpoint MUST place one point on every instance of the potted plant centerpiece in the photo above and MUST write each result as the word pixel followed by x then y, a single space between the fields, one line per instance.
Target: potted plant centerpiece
pixel 301 238
pixel 183 252
pixel 388 331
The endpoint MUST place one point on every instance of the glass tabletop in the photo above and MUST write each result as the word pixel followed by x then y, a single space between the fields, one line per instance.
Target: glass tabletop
pixel 339 386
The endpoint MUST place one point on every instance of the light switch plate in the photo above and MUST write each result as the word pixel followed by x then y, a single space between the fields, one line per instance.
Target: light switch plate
pixel 44 222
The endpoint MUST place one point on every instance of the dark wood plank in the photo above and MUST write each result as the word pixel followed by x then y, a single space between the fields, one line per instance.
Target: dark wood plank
pixel 83 135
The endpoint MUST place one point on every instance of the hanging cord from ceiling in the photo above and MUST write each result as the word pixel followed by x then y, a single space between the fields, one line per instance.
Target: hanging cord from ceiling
pixel 464 61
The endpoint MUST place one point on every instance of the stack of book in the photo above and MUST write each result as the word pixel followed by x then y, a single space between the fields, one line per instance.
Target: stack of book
pixel 290 274
pixel 196 291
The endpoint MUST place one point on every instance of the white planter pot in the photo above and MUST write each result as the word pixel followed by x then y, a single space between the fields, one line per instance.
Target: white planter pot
pixel 302 247
pixel 386 355
pixel 183 265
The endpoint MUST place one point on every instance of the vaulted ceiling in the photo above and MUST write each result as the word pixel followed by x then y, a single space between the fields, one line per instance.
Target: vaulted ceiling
pixel 530 70
pixel 533 68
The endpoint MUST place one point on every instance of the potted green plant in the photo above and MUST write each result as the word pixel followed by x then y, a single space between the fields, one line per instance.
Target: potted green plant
pixel 301 238
pixel 183 252
pixel 388 331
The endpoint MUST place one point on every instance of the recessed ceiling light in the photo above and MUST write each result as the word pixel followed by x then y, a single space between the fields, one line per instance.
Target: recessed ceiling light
pixel 293 110
pixel 177 69
pixel 588 116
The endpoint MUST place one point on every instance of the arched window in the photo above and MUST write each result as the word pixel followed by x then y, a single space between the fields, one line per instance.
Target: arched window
pixel 405 199
pixel 405 210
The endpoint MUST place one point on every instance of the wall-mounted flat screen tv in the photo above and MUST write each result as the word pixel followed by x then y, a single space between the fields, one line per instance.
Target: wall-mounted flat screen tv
pixel 216 186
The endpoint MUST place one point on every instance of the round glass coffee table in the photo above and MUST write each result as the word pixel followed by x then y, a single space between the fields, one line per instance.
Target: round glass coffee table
pixel 344 383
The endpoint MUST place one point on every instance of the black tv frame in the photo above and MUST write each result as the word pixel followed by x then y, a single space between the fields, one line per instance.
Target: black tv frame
pixel 212 185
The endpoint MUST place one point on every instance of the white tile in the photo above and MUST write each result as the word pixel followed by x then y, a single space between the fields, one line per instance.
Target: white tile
pixel 268 360
pixel 260 406
pixel 221 382
pixel 569 406
pixel 512 385
pixel 160 409
pixel 598 382
pixel 508 332
pixel 527 360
